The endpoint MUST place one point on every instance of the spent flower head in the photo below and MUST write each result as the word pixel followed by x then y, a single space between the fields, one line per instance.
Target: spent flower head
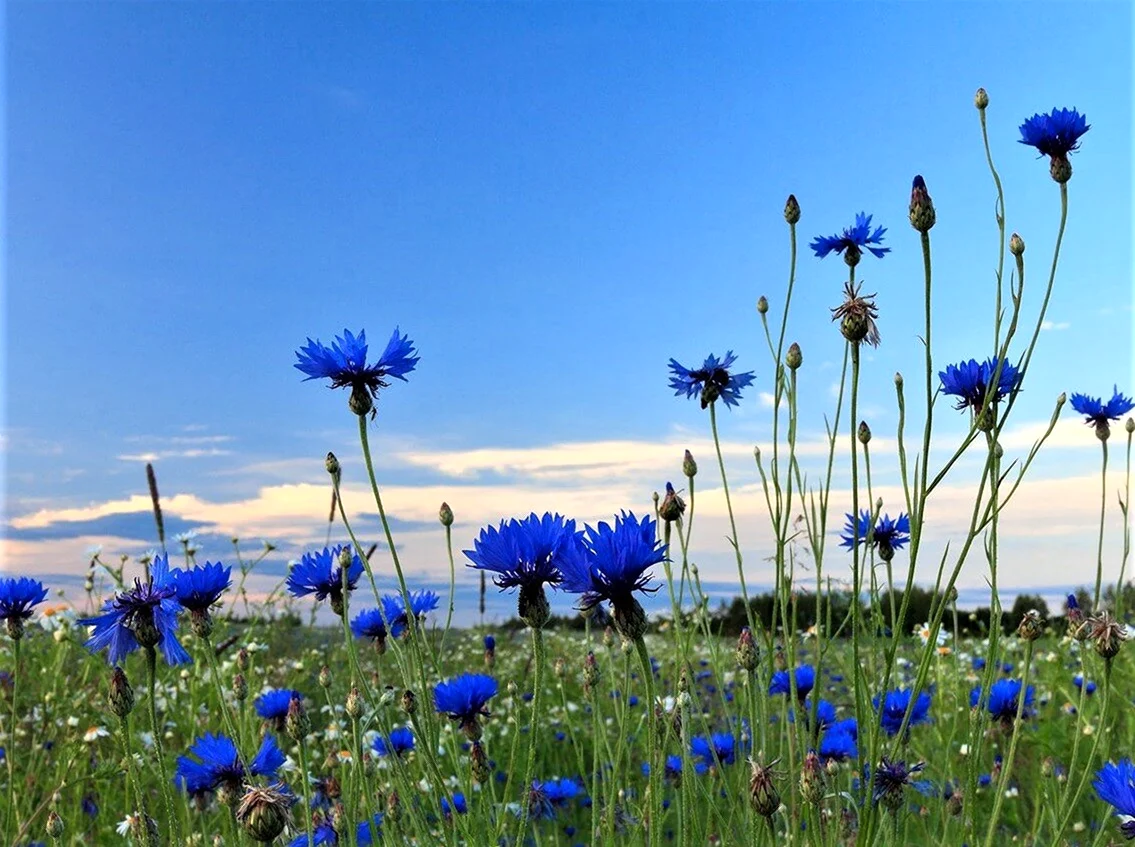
pixel 856 316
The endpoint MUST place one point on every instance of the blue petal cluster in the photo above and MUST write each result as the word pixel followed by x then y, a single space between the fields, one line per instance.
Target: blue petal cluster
pixel 712 380
pixel 464 698
pixel 459 804
pixel 1002 701
pixel 18 595
pixel 805 681
pixel 853 239
pixel 320 574
pixel 527 553
pixel 719 747
pixel 401 741
pixel 1115 785
pixel 616 563
pixel 344 362
pixel 213 762
pixel 892 533
pixel 1096 411
pixel 150 606
pixel 366 834
pixel 200 587
pixel 1056 134
pixel 970 382
pixel 893 705
pixel 273 705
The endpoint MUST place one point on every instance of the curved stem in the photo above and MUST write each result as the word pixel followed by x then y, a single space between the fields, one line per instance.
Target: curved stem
pixel 452 585
pixel 306 794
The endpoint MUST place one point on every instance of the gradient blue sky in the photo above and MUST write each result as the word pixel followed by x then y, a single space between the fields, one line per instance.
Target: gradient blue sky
pixel 552 200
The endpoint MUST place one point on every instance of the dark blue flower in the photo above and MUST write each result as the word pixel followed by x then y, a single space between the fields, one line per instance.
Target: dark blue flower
pixel 1002 699
pixel 490 643
pixel 545 798
pixel 320 574
pixel 464 698
pixel 889 535
pixel 394 608
pixel 144 616
pixel 1115 785
pixel 825 713
pixel 365 835
pixel 894 705
pixel 1056 134
pixel 17 597
pixel 719 747
pixel 1078 681
pixel 200 587
pixel 213 762
pixel 853 240
pixel 805 681
pixel 1098 413
pixel 273 705
pixel 401 741
pixel 459 804
pixel 890 780
pixel 970 382
pixel 838 744
pixel 344 363
pixel 527 554
pixel 370 623
pixel 616 565
pixel 713 380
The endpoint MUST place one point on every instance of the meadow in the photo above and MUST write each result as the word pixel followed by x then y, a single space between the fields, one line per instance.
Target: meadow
pixel 167 706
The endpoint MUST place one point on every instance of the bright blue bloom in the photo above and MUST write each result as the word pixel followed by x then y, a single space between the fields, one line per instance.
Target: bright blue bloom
pixel 401 741
pixel 616 564
pixel 853 240
pixel 149 608
pixel 490 643
pixel 805 681
pixel 463 698
pixel 720 747
pixel 1097 413
pixel 825 713
pixel 459 804
pixel 1115 785
pixel 545 798
pixel 1056 134
pixel 421 603
pixel 320 574
pixel 273 705
pixel 17 597
pixel 978 663
pixel 527 553
pixel 200 587
pixel 838 744
pixel 713 380
pixel 1003 696
pixel 894 706
pixel 1071 603
pixel 325 833
pixel 344 362
pixel 1078 681
pixel 213 762
pixel 370 623
pixel 889 534
pixel 970 381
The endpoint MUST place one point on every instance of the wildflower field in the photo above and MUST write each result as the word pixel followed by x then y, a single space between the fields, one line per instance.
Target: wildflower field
pixel 166 707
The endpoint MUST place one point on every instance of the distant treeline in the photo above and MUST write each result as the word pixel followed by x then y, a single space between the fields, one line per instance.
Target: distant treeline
pixel 728 618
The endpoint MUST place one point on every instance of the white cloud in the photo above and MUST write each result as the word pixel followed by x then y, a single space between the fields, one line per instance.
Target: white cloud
pixel 1054 325
pixel 153 456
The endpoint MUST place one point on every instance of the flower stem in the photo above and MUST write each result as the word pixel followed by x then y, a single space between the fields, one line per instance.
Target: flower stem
pixel 452 586
pixel 530 756
pixel 1099 546
pixel 1007 767
pixel 655 824
pixel 163 777
pixel 732 521
pixel 13 818
pixel 306 793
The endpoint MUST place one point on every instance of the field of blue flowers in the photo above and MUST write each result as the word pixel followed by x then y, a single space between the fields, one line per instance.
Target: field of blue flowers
pixel 167 712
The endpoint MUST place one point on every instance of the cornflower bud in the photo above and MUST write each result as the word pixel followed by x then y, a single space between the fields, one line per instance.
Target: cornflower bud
pixel 409 702
pixel 812 779
pixel 297 724
pixel 673 506
pixel 264 812
pixel 54 826
pixel 981 99
pixel 445 515
pixel 331 463
pixel 689 466
pixel 762 791
pixel 864 433
pixel 922 216
pixel 121 694
pixel 794 358
pixel 242 660
pixel 325 677
pixel 762 305
pixel 354 704
pixel 792 210
pixel 1031 626
pixel 1016 245
pixel 240 687
pixel 746 650
pixel 590 673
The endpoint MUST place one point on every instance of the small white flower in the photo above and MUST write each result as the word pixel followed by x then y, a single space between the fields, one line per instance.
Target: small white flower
pixel 95 733
pixel 124 825
pixel 923 633
pixel 72 721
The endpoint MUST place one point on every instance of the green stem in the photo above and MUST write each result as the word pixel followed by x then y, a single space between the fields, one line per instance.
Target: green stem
pixel 1088 771
pixel 306 793
pixel 1007 767
pixel 1099 546
pixel 13 819
pixel 732 521
pixel 155 728
pixel 530 757
pixel 452 586
pixel 654 827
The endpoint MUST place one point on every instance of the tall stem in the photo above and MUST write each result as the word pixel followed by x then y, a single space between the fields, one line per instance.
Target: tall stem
pixel 530 756
pixel 163 777
pixel 1099 546
pixel 654 826
pixel 452 585
pixel 13 818
pixel 1007 767
pixel 732 522
pixel 306 793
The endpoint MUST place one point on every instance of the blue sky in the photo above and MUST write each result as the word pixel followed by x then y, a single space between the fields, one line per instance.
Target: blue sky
pixel 552 200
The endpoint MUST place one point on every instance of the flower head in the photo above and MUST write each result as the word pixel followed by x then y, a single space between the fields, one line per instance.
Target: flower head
pixel 17 597
pixel 145 616
pixel 394 605
pixel 805 681
pixel 401 741
pixel 212 763
pixel 1055 135
pixel 720 747
pixel 971 381
pixel 322 575
pixel 853 241
pixel 856 315
pixel 265 811
pixel 1002 699
pixel 1115 785
pixel 1098 413
pixel 464 699
pixel 200 587
pixel 459 805
pixel 889 535
pixel 616 565
pixel 890 780
pixel 713 380
pixel 838 744
pixel 893 705
pixel 273 705
pixel 344 363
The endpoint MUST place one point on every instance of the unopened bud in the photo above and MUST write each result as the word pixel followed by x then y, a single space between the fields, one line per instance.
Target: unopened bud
pixel 689 466
pixel 746 651
pixel 393 808
pixel 672 506
pixel 242 659
pixel 1129 425
pixel 409 702
pixel 590 673
pixel 792 210
pixel 54 826
pixel 812 779
pixel 922 215
pixel 445 515
pixel 1031 626
pixel 354 704
pixel 864 433
pixel 331 463
pixel 981 99
pixel 559 668
pixel 297 724
pixel 240 687
pixel 762 305
pixel 794 358
pixel 1016 245
pixel 121 694
pixel 898 379
pixel 325 677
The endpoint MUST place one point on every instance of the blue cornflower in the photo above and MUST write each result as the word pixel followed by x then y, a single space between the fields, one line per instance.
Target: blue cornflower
pixel 459 804
pixel 202 586
pixel 401 741
pixel 490 643
pixel 17 597
pixel 321 574
pixel 805 681
pixel 1002 699
pixel 893 708
pixel 1098 413
pixel 825 713
pixel 464 698
pixel 344 363
pixel 1115 784
pixel 394 606
pixel 365 835
pixel 1055 135
pixel 616 565
pixel 713 380
pixel 370 623
pixel 273 705
pixel 890 780
pixel 838 744
pixel 213 763
pixel 852 241
pixel 527 554
pixel 145 616
pixel 544 798
pixel 719 747
pixel 970 382
pixel 889 535
pixel 1078 681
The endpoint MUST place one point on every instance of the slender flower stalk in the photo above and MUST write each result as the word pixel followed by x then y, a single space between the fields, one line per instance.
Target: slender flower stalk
pixel 1007 763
